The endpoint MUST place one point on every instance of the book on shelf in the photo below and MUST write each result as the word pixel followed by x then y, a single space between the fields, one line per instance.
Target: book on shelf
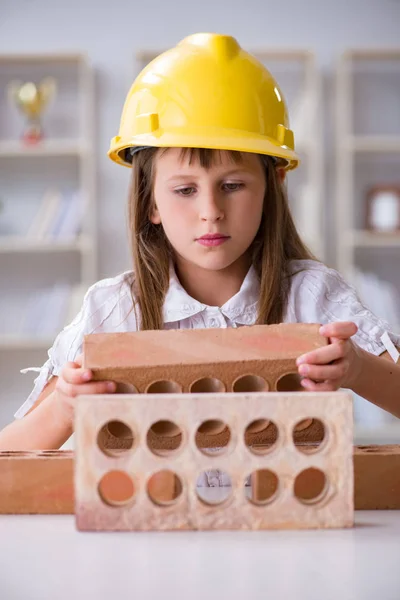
pixel 45 215
pixel 47 311
pixel 68 223
pixel 59 217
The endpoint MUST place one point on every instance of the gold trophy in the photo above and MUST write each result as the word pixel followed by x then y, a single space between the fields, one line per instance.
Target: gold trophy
pixel 31 99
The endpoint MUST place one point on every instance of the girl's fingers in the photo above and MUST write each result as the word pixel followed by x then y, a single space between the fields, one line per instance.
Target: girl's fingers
pixel 75 381
pixel 74 374
pixel 324 355
pixel 325 372
pixel 322 386
pixel 96 387
pixel 79 359
pixel 342 330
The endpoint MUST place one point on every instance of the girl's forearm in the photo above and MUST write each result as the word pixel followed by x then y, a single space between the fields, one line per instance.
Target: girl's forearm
pixel 378 381
pixel 45 428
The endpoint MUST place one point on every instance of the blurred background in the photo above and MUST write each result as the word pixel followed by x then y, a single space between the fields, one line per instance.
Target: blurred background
pixel 65 69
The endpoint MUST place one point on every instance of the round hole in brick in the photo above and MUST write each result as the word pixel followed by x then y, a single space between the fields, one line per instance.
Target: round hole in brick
pixel 164 487
pixel 257 426
pixel 165 428
pixel 164 387
pixel 310 486
pixel 261 436
pixel 309 439
pixel 115 438
pixel 164 437
pixel 291 382
pixel 207 385
pixel 124 387
pixel 263 487
pixel 303 424
pixel 213 487
pixel 116 488
pixel 213 437
pixel 250 383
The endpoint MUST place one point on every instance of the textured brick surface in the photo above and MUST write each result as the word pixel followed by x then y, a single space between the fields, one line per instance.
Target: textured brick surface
pixel 334 458
pixel 376 481
pixel 36 482
pixel 177 348
pixel 377 477
pixel 239 359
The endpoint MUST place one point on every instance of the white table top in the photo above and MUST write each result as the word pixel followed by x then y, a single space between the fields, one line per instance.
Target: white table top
pixel 45 558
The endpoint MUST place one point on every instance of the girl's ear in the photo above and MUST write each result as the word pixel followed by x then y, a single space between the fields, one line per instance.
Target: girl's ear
pixel 155 217
pixel 281 174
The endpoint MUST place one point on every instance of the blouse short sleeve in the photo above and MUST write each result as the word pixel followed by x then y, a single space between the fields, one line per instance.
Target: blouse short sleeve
pixel 321 295
pixel 66 347
pixel 99 313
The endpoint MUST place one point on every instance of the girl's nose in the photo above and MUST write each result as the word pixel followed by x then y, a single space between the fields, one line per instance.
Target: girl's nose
pixel 211 208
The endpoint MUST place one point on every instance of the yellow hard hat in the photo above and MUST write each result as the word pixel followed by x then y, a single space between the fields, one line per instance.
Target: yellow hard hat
pixel 207 92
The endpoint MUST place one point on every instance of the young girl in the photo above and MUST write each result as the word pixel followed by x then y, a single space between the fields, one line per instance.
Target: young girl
pixel 205 130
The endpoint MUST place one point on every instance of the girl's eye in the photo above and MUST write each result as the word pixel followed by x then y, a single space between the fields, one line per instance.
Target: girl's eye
pixel 187 191
pixel 232 187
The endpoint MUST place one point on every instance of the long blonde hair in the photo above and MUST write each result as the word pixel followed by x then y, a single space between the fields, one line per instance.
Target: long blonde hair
pixel 277 241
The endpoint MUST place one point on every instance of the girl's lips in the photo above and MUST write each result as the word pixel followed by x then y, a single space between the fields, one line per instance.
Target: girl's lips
pixel 212 240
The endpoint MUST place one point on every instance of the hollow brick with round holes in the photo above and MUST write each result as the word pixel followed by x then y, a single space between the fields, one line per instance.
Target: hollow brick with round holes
pixel 38 482
pixel 244 359
pixel 133 468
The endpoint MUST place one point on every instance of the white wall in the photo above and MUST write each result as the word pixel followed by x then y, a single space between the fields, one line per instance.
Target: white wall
pixel 111 33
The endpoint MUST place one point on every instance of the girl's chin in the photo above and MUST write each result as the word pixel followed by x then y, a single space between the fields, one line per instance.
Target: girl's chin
pixel 212 263
pixel 215 260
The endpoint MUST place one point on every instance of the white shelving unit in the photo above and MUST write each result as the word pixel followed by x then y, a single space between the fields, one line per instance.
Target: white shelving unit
pixel 70 110
pixel 13 148
pixel 367 154
pixel 15 244
pixel 299 79
pixel 22 343
pixel 62 160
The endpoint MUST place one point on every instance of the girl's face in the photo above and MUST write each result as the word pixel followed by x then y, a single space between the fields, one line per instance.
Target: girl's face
pixel 210 216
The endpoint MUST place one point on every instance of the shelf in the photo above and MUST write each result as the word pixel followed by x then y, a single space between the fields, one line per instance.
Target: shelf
pixel 45 279
pixel 368 239
pixel 16 148
pixel 374 143
pixel 54 57
pixel 16 244
pixel 372 53
pixel 14 342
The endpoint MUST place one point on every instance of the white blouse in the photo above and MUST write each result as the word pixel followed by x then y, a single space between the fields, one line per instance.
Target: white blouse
pixel 317 295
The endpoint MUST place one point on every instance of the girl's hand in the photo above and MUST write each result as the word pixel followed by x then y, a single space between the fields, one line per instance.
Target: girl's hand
pixel 74 381
pixel 334 366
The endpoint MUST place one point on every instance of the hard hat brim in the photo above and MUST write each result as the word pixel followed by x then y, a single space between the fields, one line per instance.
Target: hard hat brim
pixel 212 139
